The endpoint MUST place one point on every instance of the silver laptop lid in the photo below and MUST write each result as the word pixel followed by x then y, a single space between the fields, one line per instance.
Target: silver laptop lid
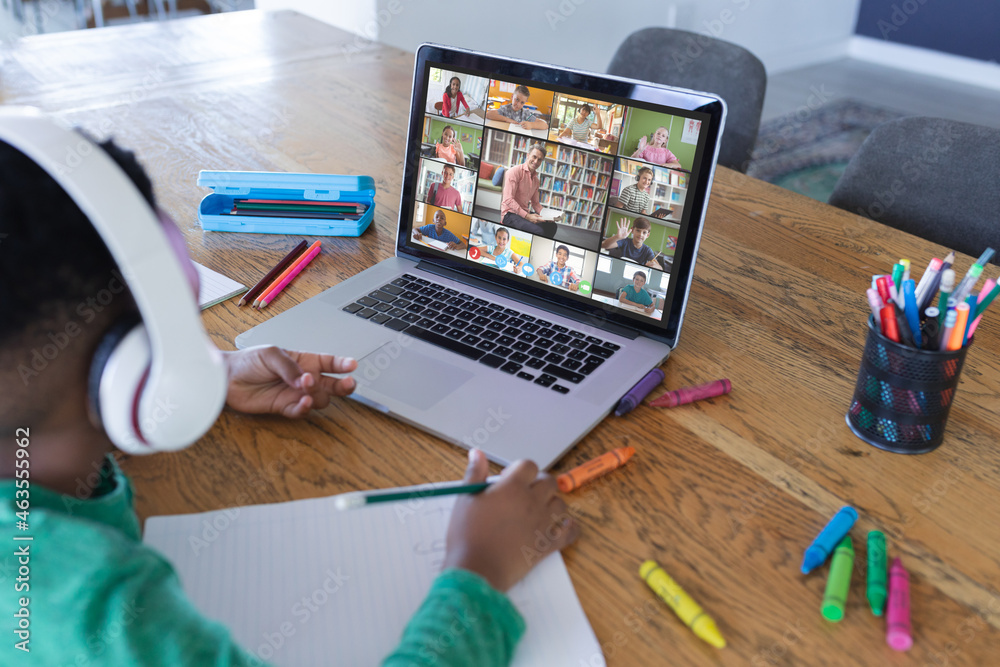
pixel 585 190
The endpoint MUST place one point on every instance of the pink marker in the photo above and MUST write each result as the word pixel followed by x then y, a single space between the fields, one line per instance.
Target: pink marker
pixel 875 303
pixel 898 631
pixel 987 288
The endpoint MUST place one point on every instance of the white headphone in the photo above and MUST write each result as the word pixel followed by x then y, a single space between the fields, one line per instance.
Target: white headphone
pixel 158 384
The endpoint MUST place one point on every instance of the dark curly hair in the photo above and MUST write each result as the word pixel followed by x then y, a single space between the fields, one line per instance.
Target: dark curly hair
pixel 51 257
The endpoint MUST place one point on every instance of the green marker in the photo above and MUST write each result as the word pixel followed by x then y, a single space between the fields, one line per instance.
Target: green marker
pixel 897 280
pixel 837 585
pixel 877 592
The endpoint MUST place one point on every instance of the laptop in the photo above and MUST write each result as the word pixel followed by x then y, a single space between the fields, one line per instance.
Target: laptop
pixel 548 231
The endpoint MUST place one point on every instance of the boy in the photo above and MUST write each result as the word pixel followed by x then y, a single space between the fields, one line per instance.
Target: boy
pixel 442 194
pixel 566 275
pixel 636 197
pixel 437 231
pixel 98 596
pixel 633 249
pixel 515 113
pixel 635 294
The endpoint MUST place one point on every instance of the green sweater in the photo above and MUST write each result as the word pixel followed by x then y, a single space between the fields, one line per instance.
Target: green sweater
pixel 95 595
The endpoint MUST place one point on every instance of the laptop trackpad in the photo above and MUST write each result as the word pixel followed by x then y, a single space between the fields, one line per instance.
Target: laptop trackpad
pixel 409 376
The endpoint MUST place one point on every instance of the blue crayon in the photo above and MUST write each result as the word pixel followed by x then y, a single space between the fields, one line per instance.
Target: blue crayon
pixel 828 538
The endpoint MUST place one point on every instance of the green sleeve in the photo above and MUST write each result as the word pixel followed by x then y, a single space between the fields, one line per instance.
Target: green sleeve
pixel 463 621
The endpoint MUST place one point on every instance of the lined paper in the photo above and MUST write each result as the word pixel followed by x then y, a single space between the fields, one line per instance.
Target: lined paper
pixel 214 287
pixel 302 583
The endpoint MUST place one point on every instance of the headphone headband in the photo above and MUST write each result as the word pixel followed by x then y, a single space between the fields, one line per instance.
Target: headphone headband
pixel 186 370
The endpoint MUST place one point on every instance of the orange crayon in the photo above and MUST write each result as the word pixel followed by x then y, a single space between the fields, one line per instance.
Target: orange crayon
pixel 603 464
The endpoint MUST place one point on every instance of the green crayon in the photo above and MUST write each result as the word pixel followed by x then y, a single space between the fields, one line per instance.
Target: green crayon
pixel 837 585
pixel 877 592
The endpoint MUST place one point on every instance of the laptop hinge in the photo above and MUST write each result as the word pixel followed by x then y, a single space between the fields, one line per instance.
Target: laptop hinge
pixel 556 309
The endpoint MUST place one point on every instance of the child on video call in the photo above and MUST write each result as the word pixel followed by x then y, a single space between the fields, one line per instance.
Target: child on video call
pixel 452 98
pixel 89 566
pixel 501 248
pixel 442 194
pixel 634 249
pixel 636 197
pixel 449 148
pixel 437 231
pixel 636 295
pixel 655 150
pixel 566 275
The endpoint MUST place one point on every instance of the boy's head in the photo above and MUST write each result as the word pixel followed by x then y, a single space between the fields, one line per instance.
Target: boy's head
pixel 562 255
pixel 585 110
pixel 447 173
pixel 520 97
pixel 640 231
pixel 645 178
pixel 60 290
pixel 439 221
pixel 81 367
pixel 638 280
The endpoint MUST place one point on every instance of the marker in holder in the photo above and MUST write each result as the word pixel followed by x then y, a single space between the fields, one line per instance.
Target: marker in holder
pixel 903 395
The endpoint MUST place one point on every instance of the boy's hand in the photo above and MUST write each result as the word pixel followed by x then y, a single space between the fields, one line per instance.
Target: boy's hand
pixel 624 229
pixel 501 533
pixel 267 379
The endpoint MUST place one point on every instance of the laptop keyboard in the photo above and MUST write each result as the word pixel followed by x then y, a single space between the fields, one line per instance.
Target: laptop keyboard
pixel 533 349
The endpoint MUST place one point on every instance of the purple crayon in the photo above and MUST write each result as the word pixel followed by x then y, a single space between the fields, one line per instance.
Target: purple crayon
pixel 672 399
pixel 640 391
pixel 828 538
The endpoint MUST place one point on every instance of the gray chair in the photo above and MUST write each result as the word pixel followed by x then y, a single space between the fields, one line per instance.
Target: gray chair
pixel 692 60
pixel 938 179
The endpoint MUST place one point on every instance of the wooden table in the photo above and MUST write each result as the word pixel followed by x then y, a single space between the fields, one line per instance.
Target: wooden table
pixel 725 493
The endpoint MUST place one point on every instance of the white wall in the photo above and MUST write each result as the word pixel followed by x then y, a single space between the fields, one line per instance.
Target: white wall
pixel 784 34
pixel 351 15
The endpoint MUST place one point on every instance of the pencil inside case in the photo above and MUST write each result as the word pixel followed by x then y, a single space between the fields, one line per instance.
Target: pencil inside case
pixel 309 204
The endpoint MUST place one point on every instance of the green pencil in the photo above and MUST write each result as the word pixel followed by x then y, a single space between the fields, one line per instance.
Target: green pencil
pixel 357 499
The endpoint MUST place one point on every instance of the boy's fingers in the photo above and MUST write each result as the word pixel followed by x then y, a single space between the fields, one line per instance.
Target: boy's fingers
pixel 478 468
pixel 523 471
pixel 277 361
pixel 299 408
pixel 546 487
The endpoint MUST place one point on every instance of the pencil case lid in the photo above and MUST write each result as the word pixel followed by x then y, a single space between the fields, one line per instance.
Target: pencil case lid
pixel 315 187
pixel 215 213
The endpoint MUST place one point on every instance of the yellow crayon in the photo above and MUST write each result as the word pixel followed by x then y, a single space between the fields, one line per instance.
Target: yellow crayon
pixel 686 609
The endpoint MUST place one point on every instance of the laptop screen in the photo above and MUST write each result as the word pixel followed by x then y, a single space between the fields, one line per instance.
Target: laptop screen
pixel 559 184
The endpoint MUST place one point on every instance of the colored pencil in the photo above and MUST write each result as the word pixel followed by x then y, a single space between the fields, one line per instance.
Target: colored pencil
pixel 355 499
pixel 269 278
pixel 291 276
pixel 281 276
pixel 303 202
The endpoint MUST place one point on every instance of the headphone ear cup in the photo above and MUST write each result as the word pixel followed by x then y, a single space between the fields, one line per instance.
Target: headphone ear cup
pixel 117 376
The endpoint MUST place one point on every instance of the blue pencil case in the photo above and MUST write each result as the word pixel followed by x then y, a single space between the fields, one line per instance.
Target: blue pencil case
pixel 227 186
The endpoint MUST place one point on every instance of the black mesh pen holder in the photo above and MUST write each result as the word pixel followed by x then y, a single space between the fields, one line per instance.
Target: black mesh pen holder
pixel 903 394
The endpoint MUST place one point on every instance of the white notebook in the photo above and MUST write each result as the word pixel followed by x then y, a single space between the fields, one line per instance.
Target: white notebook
pixel 338 587
pixel 214 287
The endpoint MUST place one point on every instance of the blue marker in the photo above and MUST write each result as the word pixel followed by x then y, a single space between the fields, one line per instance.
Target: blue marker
pixel 973 301
pixel 828 538
pixel 912 312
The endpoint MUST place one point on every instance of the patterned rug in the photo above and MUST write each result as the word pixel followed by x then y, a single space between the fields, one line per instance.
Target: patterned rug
pixel 808 150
